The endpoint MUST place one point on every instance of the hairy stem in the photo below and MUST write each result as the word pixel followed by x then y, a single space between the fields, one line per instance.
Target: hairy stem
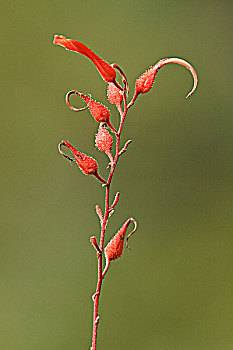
pixel 96 296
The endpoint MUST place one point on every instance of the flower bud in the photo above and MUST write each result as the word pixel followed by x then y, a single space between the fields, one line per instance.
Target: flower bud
pixel 86 164
pixel 114 248
pixel 115 95
pixel 103 140
pixel 98 111
pixel 145 82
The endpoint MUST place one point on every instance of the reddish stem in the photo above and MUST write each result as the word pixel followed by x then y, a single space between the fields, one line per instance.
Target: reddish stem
pixel 99 178
pixel 100 263
pixel 101 274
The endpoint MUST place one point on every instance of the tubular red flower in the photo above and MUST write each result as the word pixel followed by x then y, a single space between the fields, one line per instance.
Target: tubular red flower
pixel 106 71
pixel 145 82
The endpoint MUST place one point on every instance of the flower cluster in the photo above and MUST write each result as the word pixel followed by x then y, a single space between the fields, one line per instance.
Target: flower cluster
pixel 107 140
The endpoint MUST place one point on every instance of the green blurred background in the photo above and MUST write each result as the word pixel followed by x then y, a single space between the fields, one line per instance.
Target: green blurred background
pixel 173 291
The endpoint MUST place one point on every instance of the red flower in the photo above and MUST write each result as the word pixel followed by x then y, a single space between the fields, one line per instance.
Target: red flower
pixel 105 69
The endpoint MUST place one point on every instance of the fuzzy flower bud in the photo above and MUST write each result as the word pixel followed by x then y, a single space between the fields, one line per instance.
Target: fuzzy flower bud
pixel 87 164
pixel 145 82
pixel 103 140
pixel 98 111
pixel 114 248
pixel 115 95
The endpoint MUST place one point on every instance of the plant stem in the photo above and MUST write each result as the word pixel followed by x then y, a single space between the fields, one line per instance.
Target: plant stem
pixel 96 296
pixel 100 263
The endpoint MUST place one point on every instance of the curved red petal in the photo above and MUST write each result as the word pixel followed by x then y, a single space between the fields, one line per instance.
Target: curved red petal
pixel 105 69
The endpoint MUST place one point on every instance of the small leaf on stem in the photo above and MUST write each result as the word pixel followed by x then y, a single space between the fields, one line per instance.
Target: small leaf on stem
pixel 124 149
pixel 99 213
pixel 93 241
pixel 116 200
